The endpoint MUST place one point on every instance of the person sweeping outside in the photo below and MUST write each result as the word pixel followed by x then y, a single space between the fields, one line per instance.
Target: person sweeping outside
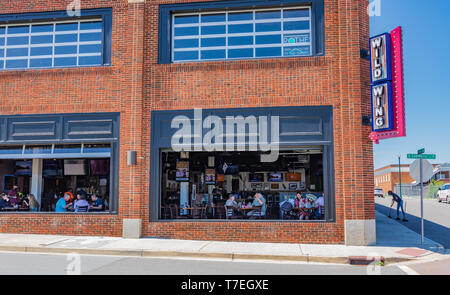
pixel 396 198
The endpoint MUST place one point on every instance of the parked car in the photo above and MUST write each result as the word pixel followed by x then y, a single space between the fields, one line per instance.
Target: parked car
pixel 379 193
pixel 444 193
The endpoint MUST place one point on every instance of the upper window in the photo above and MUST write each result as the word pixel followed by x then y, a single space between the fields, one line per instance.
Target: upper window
pixel 53 44
pixel 241 34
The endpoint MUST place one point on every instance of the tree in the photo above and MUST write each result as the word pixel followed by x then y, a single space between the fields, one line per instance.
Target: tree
pixel 433 187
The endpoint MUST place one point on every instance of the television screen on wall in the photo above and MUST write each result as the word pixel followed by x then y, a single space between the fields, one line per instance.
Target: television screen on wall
pixel 275 177
pixel 75 167
pixel 256 177
pixel 227 169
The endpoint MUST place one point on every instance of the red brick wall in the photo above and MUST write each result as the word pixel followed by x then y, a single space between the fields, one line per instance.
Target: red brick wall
pixel 135 84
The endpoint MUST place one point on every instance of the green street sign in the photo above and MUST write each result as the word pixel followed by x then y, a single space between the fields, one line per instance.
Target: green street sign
pixel 422 156
pixel 421 151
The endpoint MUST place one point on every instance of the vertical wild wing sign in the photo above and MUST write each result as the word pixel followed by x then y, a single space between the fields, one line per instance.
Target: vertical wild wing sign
pixel 388 97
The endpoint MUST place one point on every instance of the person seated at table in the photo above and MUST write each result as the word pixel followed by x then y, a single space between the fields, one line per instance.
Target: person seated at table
pixel 14 191
pixel 300 203
pixel 32 203
pixel 14 201
pixel 232 203
pixel 258 201
pixel 97 203
pixel 82 204
pixel 4 202
pixel 63 203
pixel 320 205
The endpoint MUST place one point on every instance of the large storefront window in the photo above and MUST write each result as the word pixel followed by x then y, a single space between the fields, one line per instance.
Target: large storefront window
pixel 37 177
pixel 238 185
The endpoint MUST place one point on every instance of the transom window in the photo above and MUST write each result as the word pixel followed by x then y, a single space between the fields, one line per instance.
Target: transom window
pixel 68 43
pixel 243 34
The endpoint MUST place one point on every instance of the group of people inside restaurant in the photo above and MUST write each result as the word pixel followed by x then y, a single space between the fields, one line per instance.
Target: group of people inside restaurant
pixel 14 200
pixel 301 207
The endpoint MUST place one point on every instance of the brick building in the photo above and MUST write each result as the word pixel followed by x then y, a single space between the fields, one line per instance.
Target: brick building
pixel 388 177
pixel 93 98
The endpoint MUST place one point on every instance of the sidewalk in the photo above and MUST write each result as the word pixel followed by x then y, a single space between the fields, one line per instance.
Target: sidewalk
pixel 396 243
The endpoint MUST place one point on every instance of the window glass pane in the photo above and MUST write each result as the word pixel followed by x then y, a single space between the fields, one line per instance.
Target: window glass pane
pixel 246 40
pixel 240 16
pixel 40 62
pixel 267 27
pixel 186 43
pixel 2 53
pixel 244 28
pixel 212 54
pixel 2 30
pixel 268 39
pixel 297 38
pixel 236 53
pixel 67 149
pixel 66 38
pixel 65 61
pixel 208 18
pixel 186 19
pixel 9 150
pixel 2 64
pixel 41 51
pixel 297 51
pixel 12 52
pixel 267 14
pixel 96 148
pixel 19 30
pixel 213 42
pixel 67 27
pixel 186 55
pixel 38 149
pixel 65 49
pixel 17 40
pixel 186 31
pixel 269 51
pixel 91 48
pixel 91 26
pixel 16 64
pixel 41 28
pixel 209 30
pixel 301 25
pixel 2 41
pixel 90 37
pixel 296 13
pixel 90 60
pixel 47 39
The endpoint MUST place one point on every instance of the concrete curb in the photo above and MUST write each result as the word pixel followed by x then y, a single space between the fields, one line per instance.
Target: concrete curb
pixel 185 254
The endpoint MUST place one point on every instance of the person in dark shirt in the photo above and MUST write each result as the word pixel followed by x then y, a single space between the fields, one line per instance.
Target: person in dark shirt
pixel 4 202
pixel 97 203
pixel 396 198
pixel 14 191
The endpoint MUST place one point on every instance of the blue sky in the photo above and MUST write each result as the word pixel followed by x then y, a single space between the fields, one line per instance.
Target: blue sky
pixel 426 37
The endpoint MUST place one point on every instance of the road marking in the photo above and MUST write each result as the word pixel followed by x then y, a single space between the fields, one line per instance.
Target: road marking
pixel 408 270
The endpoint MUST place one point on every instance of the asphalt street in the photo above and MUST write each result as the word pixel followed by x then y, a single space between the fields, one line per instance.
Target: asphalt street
pixel 66 264
pixel 436 217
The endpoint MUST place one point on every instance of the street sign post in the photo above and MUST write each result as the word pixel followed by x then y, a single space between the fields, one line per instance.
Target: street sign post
pixel 421 151
pixel 421 170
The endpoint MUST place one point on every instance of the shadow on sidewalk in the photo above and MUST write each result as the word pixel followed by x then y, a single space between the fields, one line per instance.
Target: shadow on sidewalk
pixel 433 231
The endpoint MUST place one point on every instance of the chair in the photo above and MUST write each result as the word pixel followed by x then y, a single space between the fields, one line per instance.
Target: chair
pixel 175 212
pixel 197 213
pixel 256 212
pixel 82 209
pixel 220 211
pixel 230 213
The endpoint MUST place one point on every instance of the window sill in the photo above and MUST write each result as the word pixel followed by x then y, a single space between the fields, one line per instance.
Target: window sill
pixel 281 62
pixel 62 70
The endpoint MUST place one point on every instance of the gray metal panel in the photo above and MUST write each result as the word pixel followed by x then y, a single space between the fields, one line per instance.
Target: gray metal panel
pixel 27 128
pixel 59 128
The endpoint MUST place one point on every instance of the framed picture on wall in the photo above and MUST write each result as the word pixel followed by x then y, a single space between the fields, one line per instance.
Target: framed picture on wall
pixel 292 186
